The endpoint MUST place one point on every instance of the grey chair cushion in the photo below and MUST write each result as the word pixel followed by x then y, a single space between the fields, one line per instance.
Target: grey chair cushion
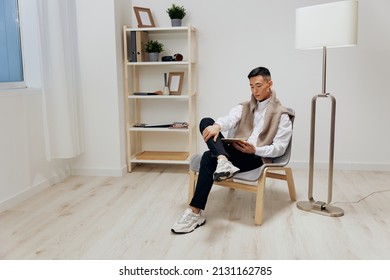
pixel 195 162
pixel 251 175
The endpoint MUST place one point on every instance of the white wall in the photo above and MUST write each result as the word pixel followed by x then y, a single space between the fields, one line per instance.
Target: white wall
pixel 23 166
pixel 236 36
pixel 100 37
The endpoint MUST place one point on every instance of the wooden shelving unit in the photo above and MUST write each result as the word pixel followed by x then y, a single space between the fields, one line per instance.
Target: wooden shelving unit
pixel 172 146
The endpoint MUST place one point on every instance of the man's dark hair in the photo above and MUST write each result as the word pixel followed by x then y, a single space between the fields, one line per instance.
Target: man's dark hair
pixel 260 71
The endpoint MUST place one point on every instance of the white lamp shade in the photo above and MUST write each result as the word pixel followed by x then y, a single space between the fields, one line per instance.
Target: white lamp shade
pixel 327 25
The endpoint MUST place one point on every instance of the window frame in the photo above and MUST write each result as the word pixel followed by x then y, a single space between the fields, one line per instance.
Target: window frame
pixel 18 84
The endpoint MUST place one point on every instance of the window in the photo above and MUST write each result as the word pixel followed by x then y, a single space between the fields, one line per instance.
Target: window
pixel 11 63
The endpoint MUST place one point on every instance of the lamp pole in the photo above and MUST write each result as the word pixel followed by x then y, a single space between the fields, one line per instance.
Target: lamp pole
pixel 312 205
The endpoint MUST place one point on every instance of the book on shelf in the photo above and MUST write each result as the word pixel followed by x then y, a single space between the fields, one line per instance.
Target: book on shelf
pixel 138 40
pixel 144 125
pixel 133 47
pixel 183 125
pixel 147 93
pixel 141 39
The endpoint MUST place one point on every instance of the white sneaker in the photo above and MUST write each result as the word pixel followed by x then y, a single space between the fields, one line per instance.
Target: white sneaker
pixel 188 222
pixel 225 170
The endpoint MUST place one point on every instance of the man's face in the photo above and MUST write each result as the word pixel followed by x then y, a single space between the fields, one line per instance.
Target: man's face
pixel 260 87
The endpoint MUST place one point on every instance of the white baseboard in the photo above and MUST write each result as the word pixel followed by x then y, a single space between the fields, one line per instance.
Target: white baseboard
pixel 361 166
pixel 36 188
pixel 99 172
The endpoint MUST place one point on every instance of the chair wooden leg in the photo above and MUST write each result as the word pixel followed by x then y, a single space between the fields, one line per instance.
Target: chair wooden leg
pixel 290 183
pixel 260 199
pixel 191 186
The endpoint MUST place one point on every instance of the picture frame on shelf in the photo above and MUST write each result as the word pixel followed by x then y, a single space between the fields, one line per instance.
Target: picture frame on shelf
pixel 144 17
pixel 175 82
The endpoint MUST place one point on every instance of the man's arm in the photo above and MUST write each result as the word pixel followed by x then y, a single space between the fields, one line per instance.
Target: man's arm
pixel 222 124
pixel 229 121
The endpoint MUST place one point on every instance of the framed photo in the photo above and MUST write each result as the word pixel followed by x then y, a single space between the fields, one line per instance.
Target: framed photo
pixel 175 82
pixel 144 17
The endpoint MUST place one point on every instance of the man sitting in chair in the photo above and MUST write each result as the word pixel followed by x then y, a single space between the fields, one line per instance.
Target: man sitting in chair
pixel 265 125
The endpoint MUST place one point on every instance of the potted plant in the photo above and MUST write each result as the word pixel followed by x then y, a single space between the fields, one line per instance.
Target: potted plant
pixel 176 14
pixel 153 48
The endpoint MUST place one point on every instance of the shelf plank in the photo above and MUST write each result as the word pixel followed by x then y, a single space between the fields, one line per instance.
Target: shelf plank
pixel 158 129
pixel 154 63
pixel 162 156
pixel 163 29
pixel 183 96
pixel 160 161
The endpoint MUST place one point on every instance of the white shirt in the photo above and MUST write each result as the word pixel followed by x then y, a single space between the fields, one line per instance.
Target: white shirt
pixel 282 137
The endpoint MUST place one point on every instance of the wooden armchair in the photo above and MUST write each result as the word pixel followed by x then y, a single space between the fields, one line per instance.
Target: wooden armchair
pixel 253 180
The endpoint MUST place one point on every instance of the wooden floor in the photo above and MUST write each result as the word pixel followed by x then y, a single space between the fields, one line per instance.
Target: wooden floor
pixel 130 218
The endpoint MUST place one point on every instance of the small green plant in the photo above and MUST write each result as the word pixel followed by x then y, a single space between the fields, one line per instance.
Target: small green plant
pixel 154 46
pixel 176 12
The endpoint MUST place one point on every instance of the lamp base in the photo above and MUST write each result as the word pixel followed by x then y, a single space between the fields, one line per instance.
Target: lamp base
pixel 321 208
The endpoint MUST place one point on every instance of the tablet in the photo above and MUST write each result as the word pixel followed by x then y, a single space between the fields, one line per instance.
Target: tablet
pixel 232 140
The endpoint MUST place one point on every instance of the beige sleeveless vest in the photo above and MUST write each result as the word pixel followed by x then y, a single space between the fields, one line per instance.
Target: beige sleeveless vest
pixel 272 116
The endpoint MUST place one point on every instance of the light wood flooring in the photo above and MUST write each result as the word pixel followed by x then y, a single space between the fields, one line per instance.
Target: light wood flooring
pixel 130 218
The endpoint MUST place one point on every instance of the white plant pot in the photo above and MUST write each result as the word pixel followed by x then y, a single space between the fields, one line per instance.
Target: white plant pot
pixel 176 21
pixel 153 57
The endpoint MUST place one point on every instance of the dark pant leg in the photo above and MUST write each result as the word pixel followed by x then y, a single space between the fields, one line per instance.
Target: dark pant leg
pixel 208 164
pixel 216 148
pixel 243 161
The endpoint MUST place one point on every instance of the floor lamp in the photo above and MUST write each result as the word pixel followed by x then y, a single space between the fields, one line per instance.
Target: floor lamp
pixel 321 27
